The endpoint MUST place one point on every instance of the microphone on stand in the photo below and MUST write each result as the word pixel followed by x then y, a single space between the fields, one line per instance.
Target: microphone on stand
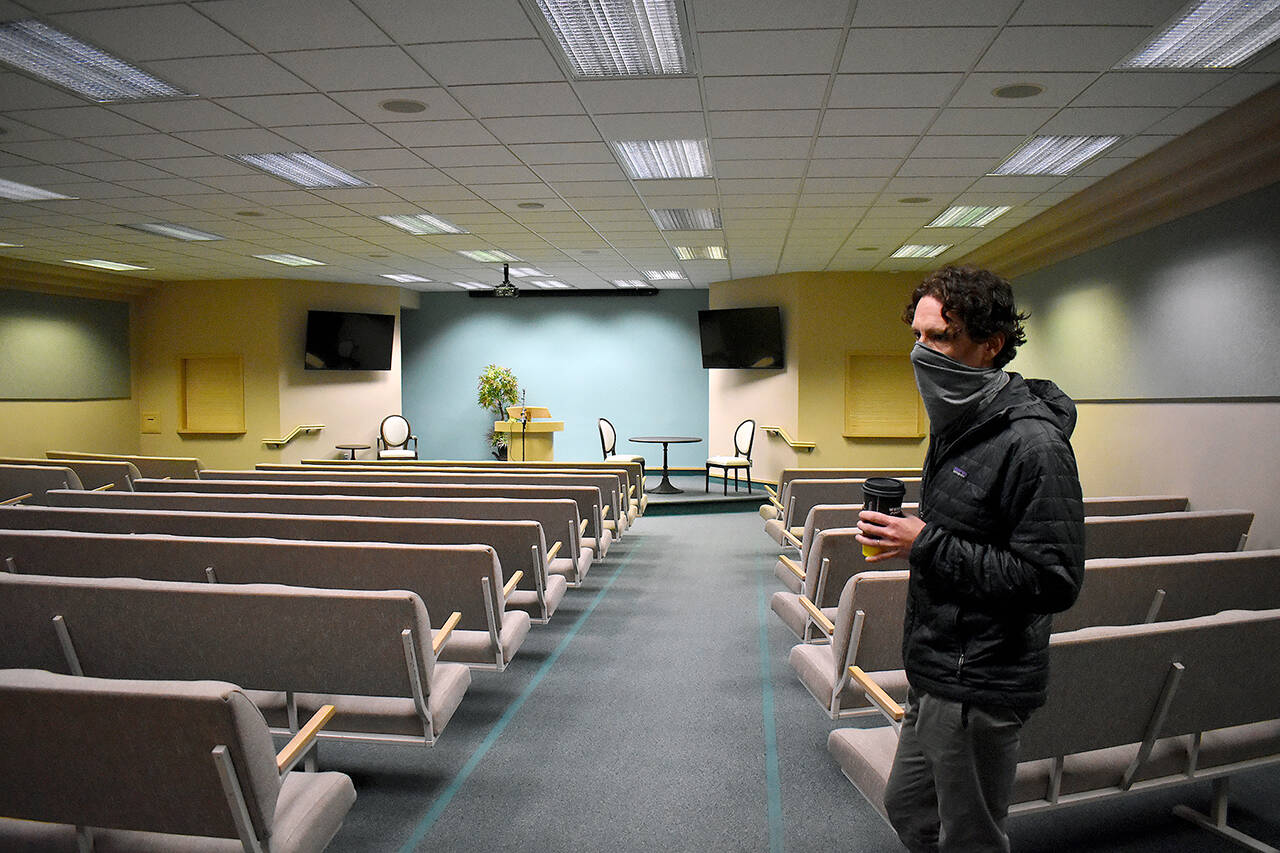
pixel 524 421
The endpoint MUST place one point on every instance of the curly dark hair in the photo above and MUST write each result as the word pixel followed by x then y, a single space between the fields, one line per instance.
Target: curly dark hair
pixel 980 302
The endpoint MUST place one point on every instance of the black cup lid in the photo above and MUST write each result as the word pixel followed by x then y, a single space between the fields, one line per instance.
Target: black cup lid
pixel 884 487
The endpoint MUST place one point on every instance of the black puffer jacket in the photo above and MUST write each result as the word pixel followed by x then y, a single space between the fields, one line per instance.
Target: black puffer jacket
pixel 1002 548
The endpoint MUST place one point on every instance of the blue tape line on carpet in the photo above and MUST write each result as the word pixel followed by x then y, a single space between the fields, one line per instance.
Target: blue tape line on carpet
pixel 442 802
pixel 772 779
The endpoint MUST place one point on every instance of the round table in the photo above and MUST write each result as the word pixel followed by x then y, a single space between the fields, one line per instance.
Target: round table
pixel 352 448
pixel 665 487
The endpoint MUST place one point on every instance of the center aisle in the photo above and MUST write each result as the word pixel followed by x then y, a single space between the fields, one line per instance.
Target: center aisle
pixel 635 721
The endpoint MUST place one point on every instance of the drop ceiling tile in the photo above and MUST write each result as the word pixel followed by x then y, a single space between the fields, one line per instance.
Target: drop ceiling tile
pixel 652 126
pixel 537 154
pixel 1268 61
pixel 935 145
pixel 711 15
pixel 355 68
pixel 335 137
pixel 863 146
pixel 1146 89
pixel 1142 13
pixel 166 187
pixel 1237 88
pixel 876 122
pixel 274 25
pixel 376 158
pixel 229 76
pixel 472 175
pixel 64 151
pixel 737 186
pixel 1059 88
pixel 438 133
pixel 183 115
pixel 436 195
pixel 893 90
pixel 411 21
pixel 760 168
pixel 518 99
pixel 514 61
pixel 630 201
pixel 768 52
pixel 825 185
pixel 774 148
pixel 42 176
pixel 198 167
pixel 1183 120
pixel 367 104
pixel 1016 121
pixel 763 123
pixel 288 110
pixel 18 92
pixel 581 172
pixel 931 186
pixel 868 167
pixel 543 129
pixel 79 121
pixel 580 189
pixel 953 167
pixel 519 192
pixel 1060 48
pixel 1121 121
pixel 914 49
pixel 248 140
pixel 1014 183
pixel 640 96
pixel 766 92
pixel 1140 146
pixel 396 178
pixel 242 184
pixel 888 13
pixel 146 33
pixel 120 170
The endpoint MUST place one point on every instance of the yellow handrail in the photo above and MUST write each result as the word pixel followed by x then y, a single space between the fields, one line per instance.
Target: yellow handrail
pixel 805 446
pixel 297 431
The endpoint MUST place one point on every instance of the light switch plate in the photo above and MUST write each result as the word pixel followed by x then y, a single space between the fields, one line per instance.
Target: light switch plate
pixel 151 423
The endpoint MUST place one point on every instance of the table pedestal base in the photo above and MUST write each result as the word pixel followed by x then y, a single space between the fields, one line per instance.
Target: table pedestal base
pixel 665 487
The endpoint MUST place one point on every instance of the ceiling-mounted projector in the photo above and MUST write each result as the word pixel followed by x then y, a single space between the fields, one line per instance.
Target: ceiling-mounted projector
pixel 506 288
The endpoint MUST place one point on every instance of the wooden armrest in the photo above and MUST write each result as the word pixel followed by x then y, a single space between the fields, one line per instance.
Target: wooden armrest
pixel 824 624
pixel 104 487
pixel 631 491
pixel 511 584
pixel 438 641
pixel 788 536
pixel 582 528
pixel 773 496
pixel 876 694
pixel 18 499
pixel 792 565
pixel 604 513
pixel 555 549
pixel 301 742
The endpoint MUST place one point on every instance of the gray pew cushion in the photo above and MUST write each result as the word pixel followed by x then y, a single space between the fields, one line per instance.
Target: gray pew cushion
pixel 393 715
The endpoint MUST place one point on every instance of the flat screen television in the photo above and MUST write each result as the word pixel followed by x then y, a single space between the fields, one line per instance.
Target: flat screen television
pixel 348 340
pixel 743 338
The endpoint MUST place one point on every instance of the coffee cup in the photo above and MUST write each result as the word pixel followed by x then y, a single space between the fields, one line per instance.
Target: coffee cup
pixel 882 494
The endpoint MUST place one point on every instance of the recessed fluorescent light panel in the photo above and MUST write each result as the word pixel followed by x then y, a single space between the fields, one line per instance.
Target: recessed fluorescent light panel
pixel 551 285
pixel 663 275
pixel 98 263
pixel 488 256
pixel 53 55
pixel 632 283
pixel 404 278
pixel 618 38
pixel 175 232
pixel 525 272
pixel 701 253
pixel 913 251
pixel 302 169
pixel 686 218
pixel 1210 34
pixel 423 223
pixel 648 159
pixel 471 285
pixel 968 216
pixel 1054 155
pixel 291 260
pixel 22 192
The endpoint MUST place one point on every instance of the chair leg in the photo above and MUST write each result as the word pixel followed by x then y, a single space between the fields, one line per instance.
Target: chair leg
pixel 707 486
pixel 748 479
pixel 724 482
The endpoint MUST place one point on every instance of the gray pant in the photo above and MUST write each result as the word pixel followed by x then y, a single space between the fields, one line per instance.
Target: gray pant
pixel 952 775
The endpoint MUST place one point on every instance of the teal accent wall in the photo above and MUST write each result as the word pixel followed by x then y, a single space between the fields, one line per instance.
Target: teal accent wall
pixel 62 347
pixel 634 360
pixel 1186 310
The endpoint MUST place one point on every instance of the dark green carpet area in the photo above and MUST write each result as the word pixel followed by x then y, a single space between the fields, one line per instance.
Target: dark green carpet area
pixel 657 713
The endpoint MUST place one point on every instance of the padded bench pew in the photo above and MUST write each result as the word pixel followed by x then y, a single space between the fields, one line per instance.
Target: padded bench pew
pixel 804 495
pixel 866 628
pixel 559 518
pixel 93 473
pixel 1131 708
pixel 592 535
pixel 369 653
pixel 465 579
pixel 160 467
pixel 28 483
pixel 778 497
pixel 126 765
pixel 519 545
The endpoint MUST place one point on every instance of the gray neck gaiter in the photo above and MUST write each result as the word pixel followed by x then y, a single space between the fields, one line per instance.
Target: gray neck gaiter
pixel 952 391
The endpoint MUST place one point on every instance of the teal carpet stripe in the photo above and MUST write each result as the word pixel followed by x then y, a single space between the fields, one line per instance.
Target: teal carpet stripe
pixel 442 802
pixel 773 782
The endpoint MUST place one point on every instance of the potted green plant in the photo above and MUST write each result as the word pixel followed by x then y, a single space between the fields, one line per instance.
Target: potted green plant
pixel 496 389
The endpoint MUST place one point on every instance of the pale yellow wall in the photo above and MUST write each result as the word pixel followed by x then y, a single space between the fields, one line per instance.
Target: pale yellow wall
pixel 351 404
pixel 825 315
pixel 1222 455
pixel 30 427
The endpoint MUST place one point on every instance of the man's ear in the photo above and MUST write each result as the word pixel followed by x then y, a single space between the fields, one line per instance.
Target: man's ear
pixel 992 346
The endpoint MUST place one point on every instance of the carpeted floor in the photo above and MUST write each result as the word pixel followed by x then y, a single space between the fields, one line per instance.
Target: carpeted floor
pixel 657 713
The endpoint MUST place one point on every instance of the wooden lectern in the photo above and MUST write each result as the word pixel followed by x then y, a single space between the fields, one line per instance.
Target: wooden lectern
pixel 529 439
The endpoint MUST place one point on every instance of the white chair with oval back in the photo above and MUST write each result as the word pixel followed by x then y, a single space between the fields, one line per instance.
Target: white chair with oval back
pixel 609 442
pixel 396 439
pixel 743 437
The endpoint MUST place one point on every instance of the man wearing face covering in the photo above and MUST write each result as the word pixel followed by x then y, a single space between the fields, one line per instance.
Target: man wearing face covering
pixel 998 547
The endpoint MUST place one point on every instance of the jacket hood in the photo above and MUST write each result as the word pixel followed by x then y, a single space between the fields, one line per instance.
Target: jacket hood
pixel 1038 398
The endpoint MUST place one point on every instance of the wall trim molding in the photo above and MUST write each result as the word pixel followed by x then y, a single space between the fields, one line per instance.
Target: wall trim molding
pixel 1232 154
